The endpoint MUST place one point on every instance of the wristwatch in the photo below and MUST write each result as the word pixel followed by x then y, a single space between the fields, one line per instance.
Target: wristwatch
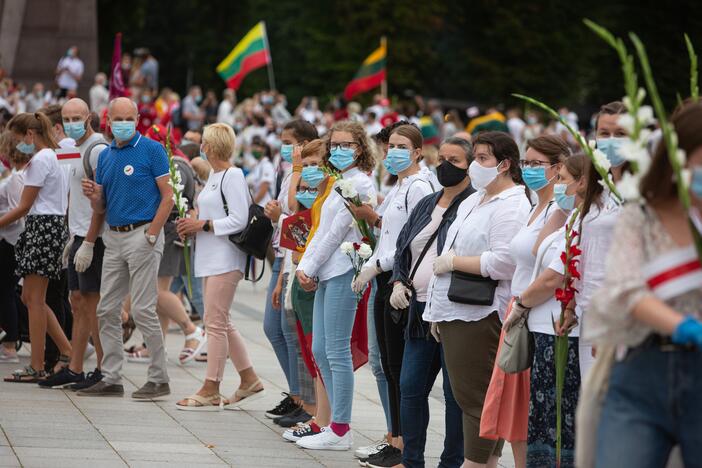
pixel 207 226
pixel 150 238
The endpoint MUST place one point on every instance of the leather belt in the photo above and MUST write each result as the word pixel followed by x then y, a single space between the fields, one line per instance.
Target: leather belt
pixel 128 227
pixel 665 344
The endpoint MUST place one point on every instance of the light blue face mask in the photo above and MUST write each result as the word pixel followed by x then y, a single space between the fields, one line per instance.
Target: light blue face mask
pixel 25 148
pixel 342 158
pixel 388 167
pixel 399 159
pixel 696 183
pixel 534 177
pixel 286 152
pixel 313 175
pixel 610 147
pixel 565 202
pixel 306 198
pixel 123 130
pixel 202 154
pixel 74 130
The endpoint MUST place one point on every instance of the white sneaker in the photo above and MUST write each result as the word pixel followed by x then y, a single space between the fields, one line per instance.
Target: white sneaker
pixel 7 357
pixel 368 450
pixel 327 440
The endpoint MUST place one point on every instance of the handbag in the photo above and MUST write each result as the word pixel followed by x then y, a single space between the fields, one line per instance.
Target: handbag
pixel 255 238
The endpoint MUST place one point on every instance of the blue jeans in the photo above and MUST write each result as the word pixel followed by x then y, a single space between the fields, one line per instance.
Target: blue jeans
pixel 278 332
pixel 421 362
pixel 653 403
pixel 374 357
pixel 332 323
pixel 180 283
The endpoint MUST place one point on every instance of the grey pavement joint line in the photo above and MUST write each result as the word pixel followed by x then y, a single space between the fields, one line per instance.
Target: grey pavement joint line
pixel 9 444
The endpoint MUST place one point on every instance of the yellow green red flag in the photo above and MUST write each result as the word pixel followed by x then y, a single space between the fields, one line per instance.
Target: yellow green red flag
pixel 248 55
pixel 371 74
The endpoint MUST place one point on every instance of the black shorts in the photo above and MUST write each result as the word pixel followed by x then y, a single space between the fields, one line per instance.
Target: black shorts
pixel 89 280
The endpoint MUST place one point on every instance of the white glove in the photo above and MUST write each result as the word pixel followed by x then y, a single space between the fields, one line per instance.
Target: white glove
pixel 517 312
pixel 444 263
pixel 84 256
pixel 435 331
pixel 399 298
pixel 66 251
pixel 366 274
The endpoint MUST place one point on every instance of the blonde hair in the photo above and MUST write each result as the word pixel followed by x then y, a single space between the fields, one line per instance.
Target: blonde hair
pixel 221 139
pixel 38 122
pixel 9 151
pixel 366 159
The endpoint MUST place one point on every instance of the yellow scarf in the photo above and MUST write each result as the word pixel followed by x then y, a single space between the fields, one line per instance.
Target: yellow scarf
pixel 317 209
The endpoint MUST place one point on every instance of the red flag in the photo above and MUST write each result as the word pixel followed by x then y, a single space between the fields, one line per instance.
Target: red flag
pixel 117 88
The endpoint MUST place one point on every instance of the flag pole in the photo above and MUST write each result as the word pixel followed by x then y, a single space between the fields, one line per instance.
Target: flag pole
pixel 269 65
pixel 384 83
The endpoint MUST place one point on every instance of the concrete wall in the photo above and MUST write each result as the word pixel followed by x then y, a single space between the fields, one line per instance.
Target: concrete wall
pixel 35 34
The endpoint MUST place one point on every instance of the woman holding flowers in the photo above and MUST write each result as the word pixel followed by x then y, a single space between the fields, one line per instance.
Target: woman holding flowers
pixel 478 245
pixel 650 312
pixel 221 264
pixel 326 269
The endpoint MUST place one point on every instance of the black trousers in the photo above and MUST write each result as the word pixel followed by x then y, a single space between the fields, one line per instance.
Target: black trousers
pixel 9 315
pixel 391 344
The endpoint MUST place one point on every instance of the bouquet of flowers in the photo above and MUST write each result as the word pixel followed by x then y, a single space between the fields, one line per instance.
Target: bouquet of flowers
pixel 359 255
pixel 348 192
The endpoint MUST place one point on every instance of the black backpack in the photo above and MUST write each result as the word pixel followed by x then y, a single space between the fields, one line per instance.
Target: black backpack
pixel 256 236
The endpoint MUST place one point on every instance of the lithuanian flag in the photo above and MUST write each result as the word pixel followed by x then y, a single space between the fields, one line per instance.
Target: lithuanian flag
pixel 370 75
pixel 249 54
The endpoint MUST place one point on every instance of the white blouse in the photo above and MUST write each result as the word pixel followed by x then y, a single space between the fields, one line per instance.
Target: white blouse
pixel 483 230
pixel 214 253
pixel 521 247
pixel 323 258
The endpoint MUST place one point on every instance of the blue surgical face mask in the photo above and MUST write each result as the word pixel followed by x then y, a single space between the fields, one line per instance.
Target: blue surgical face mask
pixel 123 130
pixel 565 202
pixel 306 198
pixel 25 148
pixel 399 159
pixel 696 183
pixel 388 167
pixel 74 130
pixel 342 158
pixel 312 175
pixel 535 177
pixel 202 154
pixel 610 147
pixel 286 152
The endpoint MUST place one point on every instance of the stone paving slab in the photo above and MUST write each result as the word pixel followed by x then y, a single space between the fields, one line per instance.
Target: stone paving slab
pixel 56 429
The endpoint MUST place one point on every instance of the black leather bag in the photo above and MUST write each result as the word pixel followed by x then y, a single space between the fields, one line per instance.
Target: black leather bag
pixel 467 288
pixel 256 236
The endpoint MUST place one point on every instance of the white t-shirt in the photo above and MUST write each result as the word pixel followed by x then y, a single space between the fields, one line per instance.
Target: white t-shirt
pixel 520 248
pixel 75 66
pixel 10 193
pixel 214 253
pixel 79 210
pixel 262 172
pixel 67 143
pixel 44 171
pixel 425 270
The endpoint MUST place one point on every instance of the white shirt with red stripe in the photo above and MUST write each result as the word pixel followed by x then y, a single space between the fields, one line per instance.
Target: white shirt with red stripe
pixel 674 273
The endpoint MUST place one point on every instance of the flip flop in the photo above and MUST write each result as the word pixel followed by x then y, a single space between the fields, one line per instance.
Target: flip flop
pixel 201 403
pixel 245 396
pixel 188 354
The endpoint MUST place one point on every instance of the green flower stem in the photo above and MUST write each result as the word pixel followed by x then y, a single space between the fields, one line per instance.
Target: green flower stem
pixel 694 86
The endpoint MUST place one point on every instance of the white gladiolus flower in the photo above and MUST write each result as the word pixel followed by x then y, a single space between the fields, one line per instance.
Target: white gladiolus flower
pixel 645 115
pixel 601 160
pixel 627 102
pixel 628 187
pixel 365 251
pixel 633 151
pixel 346 247
pixel 681 157
pixel 626 121
pixel 641 95
pixel 592 143
pixel 686 176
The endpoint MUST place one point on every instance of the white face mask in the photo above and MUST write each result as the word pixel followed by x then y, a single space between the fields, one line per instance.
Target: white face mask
pixel 480 177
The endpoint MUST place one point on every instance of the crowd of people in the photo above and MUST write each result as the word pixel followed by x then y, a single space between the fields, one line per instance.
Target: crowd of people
pixel 468 219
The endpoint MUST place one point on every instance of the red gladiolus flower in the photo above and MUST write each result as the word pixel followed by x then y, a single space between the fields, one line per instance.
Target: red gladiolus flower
pixel 564 258
pixel 575 251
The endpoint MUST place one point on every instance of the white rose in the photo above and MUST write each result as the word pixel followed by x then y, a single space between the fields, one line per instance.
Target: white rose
pixel 365 251
pixel 601 160
pixel 346 247
pixel 349 192
pixel 627 122
pixel 628 187
pixel 372 201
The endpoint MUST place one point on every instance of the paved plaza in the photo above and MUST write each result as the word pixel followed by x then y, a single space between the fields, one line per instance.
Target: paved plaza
pixel 57 429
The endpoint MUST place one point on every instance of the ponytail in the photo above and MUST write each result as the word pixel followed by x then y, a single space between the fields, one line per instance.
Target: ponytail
pixel 38 122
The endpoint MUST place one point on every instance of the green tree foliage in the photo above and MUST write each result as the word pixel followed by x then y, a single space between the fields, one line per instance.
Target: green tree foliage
pixel 479 50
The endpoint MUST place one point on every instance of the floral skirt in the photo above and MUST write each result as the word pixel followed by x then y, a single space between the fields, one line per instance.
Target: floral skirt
pixel 541 439
pixel 40 247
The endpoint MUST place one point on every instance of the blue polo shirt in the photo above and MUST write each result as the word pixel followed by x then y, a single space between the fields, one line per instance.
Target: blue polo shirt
pixel 128 178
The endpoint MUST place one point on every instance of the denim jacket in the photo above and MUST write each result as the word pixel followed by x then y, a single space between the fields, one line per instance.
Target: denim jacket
pixel 420 217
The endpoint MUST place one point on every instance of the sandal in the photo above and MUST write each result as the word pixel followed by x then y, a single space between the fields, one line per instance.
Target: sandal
pixel 247 395
pixel 202 357
pixel 63 361
pixel 26 375
pixel 127 329
pixel 188 354
pixel 204 403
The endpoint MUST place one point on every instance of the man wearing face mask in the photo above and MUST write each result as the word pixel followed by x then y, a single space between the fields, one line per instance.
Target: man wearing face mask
pixel 131 192
pixel 84 251
pixel 193 115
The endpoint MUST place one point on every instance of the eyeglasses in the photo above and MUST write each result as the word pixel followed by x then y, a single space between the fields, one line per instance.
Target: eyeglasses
pixel 344 145
pixel 524 163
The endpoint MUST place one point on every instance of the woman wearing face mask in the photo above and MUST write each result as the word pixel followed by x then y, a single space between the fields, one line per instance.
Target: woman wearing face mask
pixel 478 243
pixel 261 179
pixel 646 322
pixel 506 411
pixel 425 232
pixel 537 298
pixel 38 250
pixel 403 156
pixel 325 268
pixel 610 136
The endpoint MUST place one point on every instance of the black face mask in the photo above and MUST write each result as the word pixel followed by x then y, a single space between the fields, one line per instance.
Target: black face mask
pixel 450 175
